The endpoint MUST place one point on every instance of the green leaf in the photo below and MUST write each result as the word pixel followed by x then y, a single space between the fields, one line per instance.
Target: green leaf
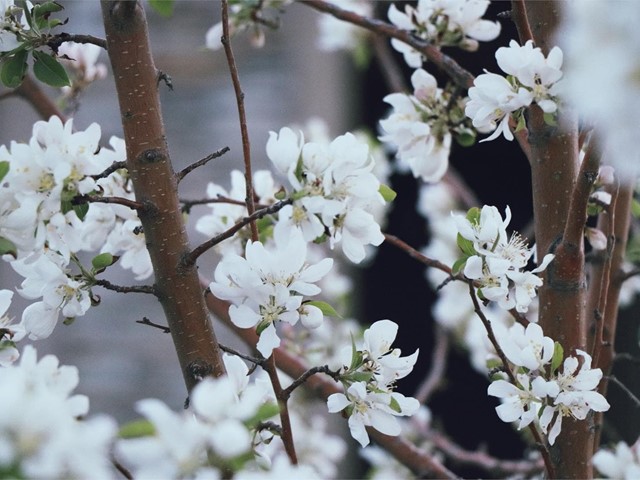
pixel 395 406
pixel 558 356
pixel 522 123
pixel 43 10
pixel 48 70
pixel 102 261
pixel 265 412
pixel 388 193
pixel 14 69
pixel 361 376
pixel 473 215
pixel 466 138
pixel 324 307
pixel 550 119
pixel 466 246
pixel 163 7
pixel 7 247
pixel 69 320
pixel 356 356
pixel 4 169
pixel 458 265
pixel 137 429
pixel 81 210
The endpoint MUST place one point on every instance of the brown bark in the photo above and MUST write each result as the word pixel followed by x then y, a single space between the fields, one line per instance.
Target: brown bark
pixel 155 184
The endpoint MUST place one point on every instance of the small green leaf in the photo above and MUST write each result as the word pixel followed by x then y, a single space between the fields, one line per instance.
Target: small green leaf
pixel 325 308
pixel 458 265
pixel 81 210
pixel 14 69
pixel 395 406
pixel 42 10
pixel 48 70
pixel 473 215
pixel 265 412
pixel 558 356
pixel 280 194
pixel 361 377
pixel 102 261
pixel 4 169
pixel 466 246
pixel 7 247
pixel 356 356
pixel 162 7
pixel 388 193
pixel 69 320
pixel 522 123
pixel 137 429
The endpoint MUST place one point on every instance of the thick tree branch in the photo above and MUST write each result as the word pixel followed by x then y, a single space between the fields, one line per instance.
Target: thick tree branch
pixel 154 181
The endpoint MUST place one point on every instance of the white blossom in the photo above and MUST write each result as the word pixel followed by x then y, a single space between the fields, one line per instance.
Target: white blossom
pixel 623 462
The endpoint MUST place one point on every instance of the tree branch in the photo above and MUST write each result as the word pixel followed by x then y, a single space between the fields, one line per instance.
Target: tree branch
pixel 459 75
pixel 82 199
pixel 188 169
pixel 55 41
pixel 438 366
pixel 33 94
pixel 148 289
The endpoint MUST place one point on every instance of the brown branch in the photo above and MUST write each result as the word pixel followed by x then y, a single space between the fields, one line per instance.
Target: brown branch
pixel 420 462
pixel 287 432
pixel 413 253
pixel 505 363
pixel 110 169
pixel 188 169
pixel 519 17
pixel 246 144
pixel 154 182
pixel 82 199
pixel 625 389
pixel 148 289
pixel 308 374
pixel 146 321
pixel 459 75
pixel 190 259
pixel 55 41
pixel 249 358
pixel 438 366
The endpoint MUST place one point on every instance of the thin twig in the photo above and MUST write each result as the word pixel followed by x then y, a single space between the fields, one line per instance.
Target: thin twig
pixel 146 321
pixel 438 366
pixel 188 169
pixel 191 258
pixel 148 289
pixel 626 357
pixel 188 204
pixel 246 144
pixel 82 199
pixel 55 41
pixel 248 358
pixel 122 469
pixel 110 169
pixel 285 420
pixel 445 63
pixel 505 362
pixel 286 393
pixel 625 389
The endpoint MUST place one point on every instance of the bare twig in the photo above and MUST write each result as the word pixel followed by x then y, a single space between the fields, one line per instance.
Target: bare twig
pixel 625 389
pixel 249 358
pixel 148 289
pixel 122 469
pixel 146 321
pixel 200 249
pixel 445 63
pixel 285 420
pixel 286 393
pixel 132 204
pixel 438 366
pixel 110 169
pixel 188 169
pixel 55 41
pixel 246 144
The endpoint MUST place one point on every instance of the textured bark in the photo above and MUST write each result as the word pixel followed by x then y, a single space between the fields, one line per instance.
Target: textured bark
pixel 554 166
pixel 156 188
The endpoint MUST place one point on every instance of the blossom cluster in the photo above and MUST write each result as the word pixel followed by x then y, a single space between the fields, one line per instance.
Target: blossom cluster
pixel 443 23
pixel 421 126
pixel 334 190
pixel 495 261
pixel 43 228
pixel 544 393
pixel 268 285
pixel 40 434
pixel 531 78
pixel 336 34
pixel 368 380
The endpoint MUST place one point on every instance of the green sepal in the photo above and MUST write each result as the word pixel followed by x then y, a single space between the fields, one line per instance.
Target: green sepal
pixel 522 123
pixel 280 194
pixel 473 215
pixel 102 261
pixel 69 320
pixel 262 326
pixel 14 69
pixel 466 138
pixel 48 70
pixel 356 356
pixel 494 363
pixel 137 429
pixel 326 309
pixel 558 356
pixel 388 193
pixel 360 376
pixel 162 7
pixel 4 169
pixel 7 247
